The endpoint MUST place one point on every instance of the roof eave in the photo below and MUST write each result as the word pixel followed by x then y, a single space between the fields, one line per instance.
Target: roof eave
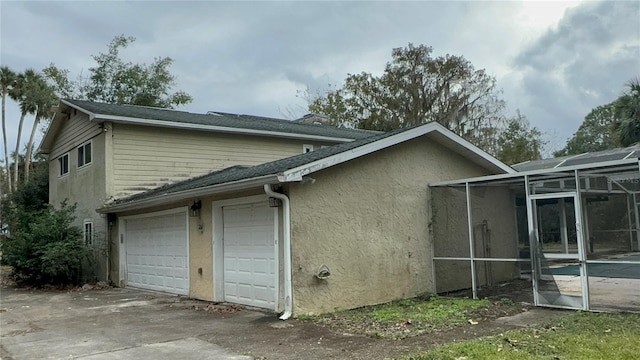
pixel 297 173
pixel 222 129
pixel 163 199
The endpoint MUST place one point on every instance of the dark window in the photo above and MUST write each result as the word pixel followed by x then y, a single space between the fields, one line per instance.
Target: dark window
pixel 84 154
pixel 63 164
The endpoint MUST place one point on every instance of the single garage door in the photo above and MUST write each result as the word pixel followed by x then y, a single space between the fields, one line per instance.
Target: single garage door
pixel 157 252
pixel 249 255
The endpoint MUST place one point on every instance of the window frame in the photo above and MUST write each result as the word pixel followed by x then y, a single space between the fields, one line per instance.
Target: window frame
pixel 83 148
pixel 88 236
pixel 61 169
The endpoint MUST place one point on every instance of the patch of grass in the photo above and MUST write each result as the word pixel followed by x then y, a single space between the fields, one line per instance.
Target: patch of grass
pixel 406 317
pixel 578 336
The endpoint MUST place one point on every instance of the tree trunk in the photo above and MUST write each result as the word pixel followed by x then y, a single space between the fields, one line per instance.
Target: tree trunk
pixel 4 138
pixel 27 157
pixel 17 153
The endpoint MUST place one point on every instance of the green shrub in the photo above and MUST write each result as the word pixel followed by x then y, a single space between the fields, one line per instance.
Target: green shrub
pixel 43 246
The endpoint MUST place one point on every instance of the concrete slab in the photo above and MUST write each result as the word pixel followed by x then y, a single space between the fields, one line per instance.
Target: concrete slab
pixel 189 348
pixel 108 324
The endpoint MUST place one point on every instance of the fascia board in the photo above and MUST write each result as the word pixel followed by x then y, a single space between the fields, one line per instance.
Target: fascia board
pixel 162 199
pixel 297 173
pixel 476 150
pixel 223 129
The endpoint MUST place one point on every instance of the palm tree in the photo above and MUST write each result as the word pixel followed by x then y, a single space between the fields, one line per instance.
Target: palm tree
pixel 45 99
pixel 628 113
pixel 7 82
pixel 23 93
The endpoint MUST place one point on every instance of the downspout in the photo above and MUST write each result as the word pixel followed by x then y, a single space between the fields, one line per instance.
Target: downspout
pixel 288 294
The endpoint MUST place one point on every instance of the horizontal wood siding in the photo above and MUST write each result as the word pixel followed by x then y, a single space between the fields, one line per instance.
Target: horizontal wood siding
pixel 73 133
pixel 145 157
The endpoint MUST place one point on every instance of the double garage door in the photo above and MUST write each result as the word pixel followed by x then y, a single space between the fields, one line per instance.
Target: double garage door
pixel 157 253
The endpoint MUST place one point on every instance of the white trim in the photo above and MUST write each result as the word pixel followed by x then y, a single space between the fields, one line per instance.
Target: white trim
pixel 161 199
pixel 224 129
pixel 218 243
pixel 85 165
pixel 603 164
pixel 122 249
pixel 60 175
pixel 307 148
pixel 84 232
pixel 297 173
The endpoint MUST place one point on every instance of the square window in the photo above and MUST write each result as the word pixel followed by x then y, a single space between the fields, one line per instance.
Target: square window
pixel 63 165
pixel 306 148
pixel 84 154
pixel 88 232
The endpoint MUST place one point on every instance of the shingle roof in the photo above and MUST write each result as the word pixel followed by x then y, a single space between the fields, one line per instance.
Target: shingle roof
pixel 237 173
pixel 219 119
pixel 586 158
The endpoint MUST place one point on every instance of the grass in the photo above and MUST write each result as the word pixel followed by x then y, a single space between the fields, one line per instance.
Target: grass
pixel 404 318
pixel 578 336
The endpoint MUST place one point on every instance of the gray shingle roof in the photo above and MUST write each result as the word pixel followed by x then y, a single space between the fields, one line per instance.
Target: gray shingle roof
pixel 237 173
pixel 220 119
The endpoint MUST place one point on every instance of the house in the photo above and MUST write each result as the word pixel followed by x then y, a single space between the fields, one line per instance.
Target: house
pixel 101 152
pixel 340 227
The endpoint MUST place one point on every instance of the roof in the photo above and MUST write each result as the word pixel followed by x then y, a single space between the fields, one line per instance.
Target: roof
pixel 212 121
pixel 580 159
pixel 294 168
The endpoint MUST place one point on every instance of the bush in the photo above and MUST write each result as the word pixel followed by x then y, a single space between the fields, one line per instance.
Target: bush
pixel 44 248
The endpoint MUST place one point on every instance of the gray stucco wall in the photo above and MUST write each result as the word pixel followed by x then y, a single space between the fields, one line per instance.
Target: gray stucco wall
pixel 368 220
pixel 86 187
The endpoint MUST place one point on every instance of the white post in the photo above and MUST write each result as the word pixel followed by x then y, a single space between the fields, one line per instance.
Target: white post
pixel 563 226
pixel 471 247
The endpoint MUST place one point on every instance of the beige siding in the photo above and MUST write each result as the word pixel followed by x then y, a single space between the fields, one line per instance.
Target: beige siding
pixel 368 221
pixel 146 157
pixel 74 132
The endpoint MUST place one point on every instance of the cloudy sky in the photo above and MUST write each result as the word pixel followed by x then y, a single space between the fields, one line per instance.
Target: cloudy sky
pixel 554 61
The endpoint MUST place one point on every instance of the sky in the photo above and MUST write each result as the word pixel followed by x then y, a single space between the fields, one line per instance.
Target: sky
pixel 554 61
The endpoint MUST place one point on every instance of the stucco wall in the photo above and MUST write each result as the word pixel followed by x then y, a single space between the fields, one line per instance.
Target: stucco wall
pixel 368 221
pixel 493 206
pixel 84 186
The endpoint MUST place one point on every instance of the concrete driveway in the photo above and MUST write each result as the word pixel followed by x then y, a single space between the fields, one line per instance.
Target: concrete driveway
pixel 114 324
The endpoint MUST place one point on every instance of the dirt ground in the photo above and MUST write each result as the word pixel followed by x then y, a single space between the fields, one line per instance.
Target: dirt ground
pixel 119 320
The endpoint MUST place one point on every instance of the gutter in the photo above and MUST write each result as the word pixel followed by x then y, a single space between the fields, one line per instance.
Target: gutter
pixel 180 195
pixel 288 291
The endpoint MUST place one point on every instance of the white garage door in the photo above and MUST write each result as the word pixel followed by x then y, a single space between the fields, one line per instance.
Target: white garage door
pixel 157 253
pixel 249 255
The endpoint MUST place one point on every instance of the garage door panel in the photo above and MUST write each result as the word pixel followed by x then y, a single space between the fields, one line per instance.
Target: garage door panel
pixel 249 255
pixel 157 253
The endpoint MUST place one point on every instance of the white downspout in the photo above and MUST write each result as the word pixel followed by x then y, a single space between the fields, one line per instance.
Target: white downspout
pixel 288 293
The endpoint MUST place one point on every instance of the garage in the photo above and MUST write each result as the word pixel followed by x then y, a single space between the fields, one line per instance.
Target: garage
pixel 157 251
pixel 249 258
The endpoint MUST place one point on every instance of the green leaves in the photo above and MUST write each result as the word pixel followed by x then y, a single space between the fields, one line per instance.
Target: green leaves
pixel 115 81
pixel 417 88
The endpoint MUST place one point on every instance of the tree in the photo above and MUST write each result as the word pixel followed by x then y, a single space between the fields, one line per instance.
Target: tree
pixel 596 132
pixel 627 110
pixel 7 82
pixel 416 88
pixel 115 81
pixel 45 100
pixel 519 142
pixel 23 93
